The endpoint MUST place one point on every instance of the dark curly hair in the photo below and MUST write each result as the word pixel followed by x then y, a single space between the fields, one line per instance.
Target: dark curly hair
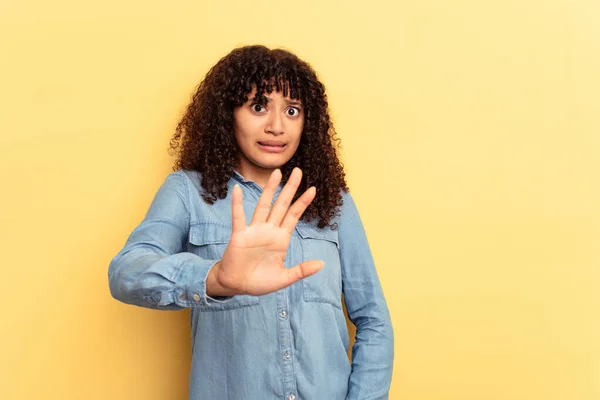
pixel 204 139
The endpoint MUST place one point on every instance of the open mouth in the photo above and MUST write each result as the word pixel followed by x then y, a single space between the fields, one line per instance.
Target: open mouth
pixel 272 146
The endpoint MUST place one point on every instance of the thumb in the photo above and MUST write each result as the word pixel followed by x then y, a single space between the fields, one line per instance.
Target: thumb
pixel 301 271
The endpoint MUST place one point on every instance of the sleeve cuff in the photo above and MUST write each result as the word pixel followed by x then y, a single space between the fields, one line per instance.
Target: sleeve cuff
pixel 194 295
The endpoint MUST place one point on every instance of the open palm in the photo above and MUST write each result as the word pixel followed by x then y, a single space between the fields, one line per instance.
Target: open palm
pixel 253 260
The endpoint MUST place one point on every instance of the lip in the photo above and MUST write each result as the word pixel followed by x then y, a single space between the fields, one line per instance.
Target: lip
pixel 271 143
pixel 272 146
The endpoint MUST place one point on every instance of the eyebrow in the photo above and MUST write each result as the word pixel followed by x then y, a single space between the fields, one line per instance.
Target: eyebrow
pixel 289 102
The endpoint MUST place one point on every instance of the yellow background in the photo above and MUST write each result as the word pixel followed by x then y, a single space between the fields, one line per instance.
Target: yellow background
pixel 471 140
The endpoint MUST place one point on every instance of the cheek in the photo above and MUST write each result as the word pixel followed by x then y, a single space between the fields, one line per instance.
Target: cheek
pixel 238 137
pixel 296 130
pixel 295 143
pixel 299 134
pixel 242 135
pixel 244 125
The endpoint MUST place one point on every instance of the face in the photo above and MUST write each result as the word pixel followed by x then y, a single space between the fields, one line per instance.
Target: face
pixel 269 135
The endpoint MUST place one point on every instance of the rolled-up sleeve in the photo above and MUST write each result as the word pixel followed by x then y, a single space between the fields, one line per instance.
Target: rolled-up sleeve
pixel 152 270
pixel 373 350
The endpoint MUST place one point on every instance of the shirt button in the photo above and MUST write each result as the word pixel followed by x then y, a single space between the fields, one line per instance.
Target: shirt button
pixel 291 397
pixel 196 297
pixel 282 314
pixel 286 355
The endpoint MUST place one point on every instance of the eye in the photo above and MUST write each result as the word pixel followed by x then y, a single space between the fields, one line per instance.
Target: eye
pixel 293 111
pixel 257 108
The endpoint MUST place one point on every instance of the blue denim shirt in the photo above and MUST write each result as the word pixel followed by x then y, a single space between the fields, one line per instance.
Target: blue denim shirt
pixel 287 345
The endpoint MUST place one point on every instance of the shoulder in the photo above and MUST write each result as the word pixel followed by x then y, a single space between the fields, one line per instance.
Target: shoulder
pixel 188 180
pixel 346 197
pixel 345 210
pixel 348 218
pixel 192 176
pixel 348 206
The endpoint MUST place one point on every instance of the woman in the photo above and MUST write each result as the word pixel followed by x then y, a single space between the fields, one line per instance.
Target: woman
pixel 260 254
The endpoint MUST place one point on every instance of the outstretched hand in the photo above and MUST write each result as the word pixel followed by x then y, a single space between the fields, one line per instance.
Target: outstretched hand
pixel 253 260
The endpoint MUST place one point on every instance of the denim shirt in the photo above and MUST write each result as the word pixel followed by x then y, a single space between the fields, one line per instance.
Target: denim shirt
pixel 287 345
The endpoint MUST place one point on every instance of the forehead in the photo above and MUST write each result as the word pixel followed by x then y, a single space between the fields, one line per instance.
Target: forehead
pixel 271 96
pixel 289 88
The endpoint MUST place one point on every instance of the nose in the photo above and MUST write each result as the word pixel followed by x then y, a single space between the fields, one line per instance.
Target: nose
pixel 275 124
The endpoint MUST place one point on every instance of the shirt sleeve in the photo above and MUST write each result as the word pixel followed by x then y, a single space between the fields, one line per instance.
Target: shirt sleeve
pixel 373 350
pixel 152 270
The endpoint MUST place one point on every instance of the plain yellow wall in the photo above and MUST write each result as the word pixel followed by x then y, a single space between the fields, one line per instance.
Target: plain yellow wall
pixel 471 139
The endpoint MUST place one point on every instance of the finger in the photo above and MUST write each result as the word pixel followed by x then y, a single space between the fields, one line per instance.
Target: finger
pixel 301 271
pixel 285 197
pixel 238 219
pixel 266 198
pixel 295 212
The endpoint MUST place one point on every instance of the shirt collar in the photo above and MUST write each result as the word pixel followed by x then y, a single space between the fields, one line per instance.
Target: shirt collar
pixel 238 177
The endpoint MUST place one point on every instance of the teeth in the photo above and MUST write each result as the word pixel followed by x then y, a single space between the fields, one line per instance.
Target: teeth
pixel 272 145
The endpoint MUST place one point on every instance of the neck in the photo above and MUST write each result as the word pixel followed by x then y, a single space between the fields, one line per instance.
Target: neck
pixel 254 173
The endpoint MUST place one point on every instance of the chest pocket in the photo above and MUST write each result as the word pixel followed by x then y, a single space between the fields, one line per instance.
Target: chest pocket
pixel 209 239
pixel 321 244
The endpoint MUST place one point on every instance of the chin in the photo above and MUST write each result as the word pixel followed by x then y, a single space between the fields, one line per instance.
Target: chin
pixel 272 164
pixel 270 161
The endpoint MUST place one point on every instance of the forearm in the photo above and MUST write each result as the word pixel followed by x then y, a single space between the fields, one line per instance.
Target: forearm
pixel 148 280
pixel 372 360
pixel 373 351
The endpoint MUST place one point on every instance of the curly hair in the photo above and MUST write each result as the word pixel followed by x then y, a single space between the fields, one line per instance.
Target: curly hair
pixel 204 138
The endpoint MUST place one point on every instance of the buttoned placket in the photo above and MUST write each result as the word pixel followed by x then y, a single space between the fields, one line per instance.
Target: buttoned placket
pixel 284 327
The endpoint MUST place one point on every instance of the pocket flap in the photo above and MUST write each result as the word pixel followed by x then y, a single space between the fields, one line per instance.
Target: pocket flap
pixel 209 232
pixel 311 232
